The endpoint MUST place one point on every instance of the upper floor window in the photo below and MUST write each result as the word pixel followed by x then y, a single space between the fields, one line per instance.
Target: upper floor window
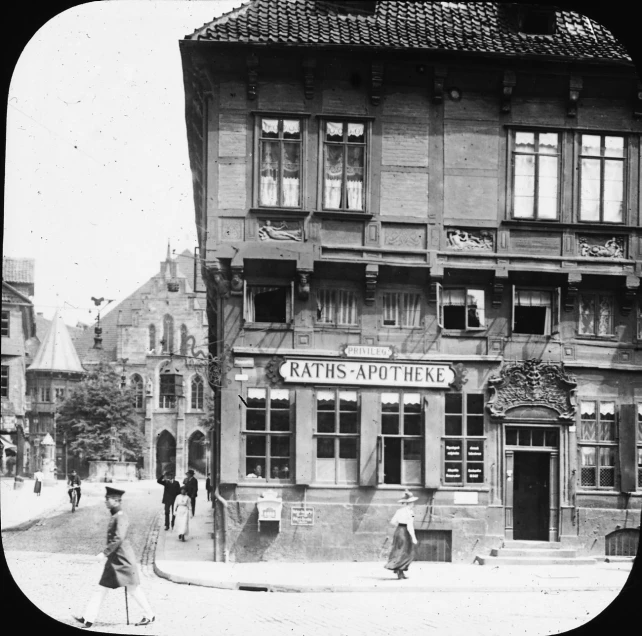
pixel 4 381
pixel 280 152
pixel 197 392
pixel 596 315
pixel 601 178
pixel 461 308
pixel 597 444
pixel 268 303
pixel 59 394
pixel 170 389
pixel 45 394
pixel 344 165
pixel 336 307
pixel 168 334
pixel 536 311
pixel 152 337
pixel 183 340
pixel 137 387
pixel 639 444
pixel 536 161
pixel 5 323
pixel 400 309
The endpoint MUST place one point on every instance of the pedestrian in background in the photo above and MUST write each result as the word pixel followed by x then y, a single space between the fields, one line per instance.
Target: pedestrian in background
pixel 171 490
pixel 191 486
pixel 208 487
pixel 120 564
pixel 37 487
pixel 72 481
pixel 404 540
pixel 181 510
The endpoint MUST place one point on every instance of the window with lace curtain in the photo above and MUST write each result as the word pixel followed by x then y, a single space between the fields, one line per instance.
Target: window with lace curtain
pixel 280 155
pixel 336 307
pixel 344 164
pixel 461 308
pixel 400 309
pixel 597 444
pixel 596 315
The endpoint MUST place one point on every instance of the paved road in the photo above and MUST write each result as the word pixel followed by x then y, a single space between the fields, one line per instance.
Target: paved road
pixel 53 564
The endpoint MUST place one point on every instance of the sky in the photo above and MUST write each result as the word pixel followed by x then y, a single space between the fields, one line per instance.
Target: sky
pixel 97 175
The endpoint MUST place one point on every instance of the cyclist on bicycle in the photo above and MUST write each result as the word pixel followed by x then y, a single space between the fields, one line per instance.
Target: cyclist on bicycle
pixel 73 481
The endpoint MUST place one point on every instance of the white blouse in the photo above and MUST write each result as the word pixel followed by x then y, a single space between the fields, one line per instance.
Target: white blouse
pixel 403 515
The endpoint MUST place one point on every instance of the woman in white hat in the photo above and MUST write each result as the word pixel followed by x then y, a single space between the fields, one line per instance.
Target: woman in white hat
pixel 404 540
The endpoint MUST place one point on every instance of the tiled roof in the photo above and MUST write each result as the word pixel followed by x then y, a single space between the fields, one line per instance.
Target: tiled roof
pixel 470 27
pixel 18 270
pixel 13 296
pixel 57 352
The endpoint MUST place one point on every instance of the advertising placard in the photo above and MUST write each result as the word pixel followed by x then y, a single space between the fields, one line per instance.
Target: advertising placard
pixel 302 516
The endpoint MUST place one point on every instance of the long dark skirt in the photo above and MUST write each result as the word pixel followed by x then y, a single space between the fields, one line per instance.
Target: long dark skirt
pixel 402 552
pixel 37 486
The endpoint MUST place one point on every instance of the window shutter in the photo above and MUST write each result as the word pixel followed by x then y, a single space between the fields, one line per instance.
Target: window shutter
pixel 245 301
pixel 433 427
pixel 379 459
pixel 557 302
pixel 627 449
pixel 291 303
pixel 513 310
pixel 440 307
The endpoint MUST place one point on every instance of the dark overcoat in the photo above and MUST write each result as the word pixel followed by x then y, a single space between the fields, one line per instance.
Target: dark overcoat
pixel 120 567
pixel 171 490
pixel 191 485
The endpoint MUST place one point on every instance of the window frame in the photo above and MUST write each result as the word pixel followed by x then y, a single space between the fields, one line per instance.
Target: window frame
pixel 441 305
pixel 336 293
pixel 560 185
pixel 400 308
pixel 289 322
pixel 268 434
pixel 598 444
pixel 367 145
pixel 639 444
pixel 5 328
pixel 197 398
pixel 168 334
pixel 151 336
pixel 4 381
pixel 556 303
pixel 464 438
pixel 625 159
pixel 596 296
pixel 401 392
pixel 137 385
pixel 167 400
pixel 336 435
pixel 303 122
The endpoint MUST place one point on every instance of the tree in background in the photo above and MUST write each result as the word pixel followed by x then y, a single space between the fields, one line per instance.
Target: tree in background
pixel 99 420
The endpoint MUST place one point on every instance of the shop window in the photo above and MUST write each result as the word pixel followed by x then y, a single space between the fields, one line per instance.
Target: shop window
pixel 268 303
pixel 168 334
pixel 4 381
pixel 464 442
pixel 401 440
pixel 461 308
pixel 536 311
pixel 344 165
pixel 197 392
pixel 337 439
pixel 597 444
pixel 596 315
pixel 400 309
pixel 136 384
pixel 601 178
pixel 280 156
pixel 337 307
pixel 536 161
pixel 268 437
pixel 183 340
pixel 152 338
pixel 5 324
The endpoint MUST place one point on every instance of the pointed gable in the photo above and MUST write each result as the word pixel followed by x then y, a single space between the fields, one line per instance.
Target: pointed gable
pixel 57 352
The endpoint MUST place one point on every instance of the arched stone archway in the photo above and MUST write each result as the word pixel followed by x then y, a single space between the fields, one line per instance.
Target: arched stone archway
pixel 196 455
pixel 165 453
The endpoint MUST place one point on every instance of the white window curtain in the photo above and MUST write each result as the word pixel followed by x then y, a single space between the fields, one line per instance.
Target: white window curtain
pixel 334 129
pixel 390 398
pixel 270 126
pixel 355 195
pixel 249 299
pixel 356 130
pixel 534 298
pixel 269 190
pixel 290 192
pixel 454 297
pixel 390 309
pixel 291 126
pixel 604 323
pixel 347 308
pixel 411 310
pixel 325 306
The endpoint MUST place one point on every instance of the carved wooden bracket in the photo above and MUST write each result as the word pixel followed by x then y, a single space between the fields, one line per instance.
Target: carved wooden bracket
pixel 372 272
pixel 309 69
pixel 303 283
pixel 574 87
pixel 376 83
pixel 498 290
pixel 236 282
pixel 572 291
pixel 438 82
pixel 252 77
pixel 629 293
pixel 508 83
pixel 637 101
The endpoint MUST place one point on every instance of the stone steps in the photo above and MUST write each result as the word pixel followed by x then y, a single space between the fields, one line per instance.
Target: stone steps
pixel 555 553
pixel 500 560
pixel 533 553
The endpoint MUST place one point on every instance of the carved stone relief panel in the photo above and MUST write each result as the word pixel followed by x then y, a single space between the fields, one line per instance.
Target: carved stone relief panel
pixel 402 236
pixel 280 230
pixel 232 229
pixel 601 246
pixel 465 240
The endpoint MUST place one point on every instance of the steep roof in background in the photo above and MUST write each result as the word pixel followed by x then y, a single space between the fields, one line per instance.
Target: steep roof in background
pixel 14 296
pixel 18 270
pixel 467 27
pixel 57 352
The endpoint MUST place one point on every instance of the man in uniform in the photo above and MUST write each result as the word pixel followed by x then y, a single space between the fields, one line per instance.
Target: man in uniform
pixel 191 484
pixel 120 564
pixel 171 490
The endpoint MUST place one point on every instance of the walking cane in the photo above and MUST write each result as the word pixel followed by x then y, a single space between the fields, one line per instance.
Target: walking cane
pixel 126 606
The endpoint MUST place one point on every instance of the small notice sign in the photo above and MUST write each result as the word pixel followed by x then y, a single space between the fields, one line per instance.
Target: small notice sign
pixel 302 517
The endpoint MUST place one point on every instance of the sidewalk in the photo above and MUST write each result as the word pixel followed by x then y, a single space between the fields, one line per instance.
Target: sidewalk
pixel 21 508
pixel 192 563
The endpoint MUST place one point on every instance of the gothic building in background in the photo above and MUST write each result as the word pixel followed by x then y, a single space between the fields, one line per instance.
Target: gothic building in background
pixel 420 226
pixel 157 340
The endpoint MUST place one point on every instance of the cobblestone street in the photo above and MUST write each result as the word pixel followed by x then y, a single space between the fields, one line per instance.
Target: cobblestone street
pixel 53 563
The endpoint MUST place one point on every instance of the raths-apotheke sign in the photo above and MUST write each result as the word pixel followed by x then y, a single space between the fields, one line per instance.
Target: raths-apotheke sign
pixel 367 373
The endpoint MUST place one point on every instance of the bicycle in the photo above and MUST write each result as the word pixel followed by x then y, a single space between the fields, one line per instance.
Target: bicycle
pixel 74 498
